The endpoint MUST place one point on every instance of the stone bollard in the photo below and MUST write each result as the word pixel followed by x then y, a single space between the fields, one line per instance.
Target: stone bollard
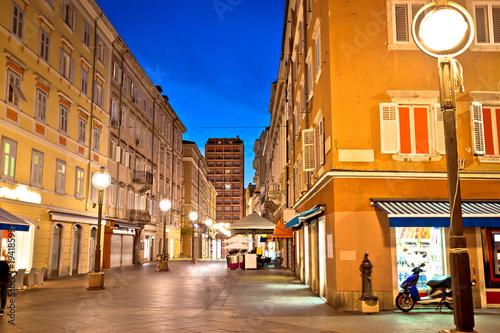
pixel 368 302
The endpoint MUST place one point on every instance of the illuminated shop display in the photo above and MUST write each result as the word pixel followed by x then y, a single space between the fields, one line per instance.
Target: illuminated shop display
pixel 416 246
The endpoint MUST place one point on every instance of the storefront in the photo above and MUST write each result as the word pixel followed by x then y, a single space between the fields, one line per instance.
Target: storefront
pixel 16 240
pixel 421 229
pixel 118 250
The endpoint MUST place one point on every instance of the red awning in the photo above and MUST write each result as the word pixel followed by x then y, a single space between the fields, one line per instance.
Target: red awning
pixel 281 232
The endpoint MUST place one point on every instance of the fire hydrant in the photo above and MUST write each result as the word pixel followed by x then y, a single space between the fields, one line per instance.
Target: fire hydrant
pixel 368 301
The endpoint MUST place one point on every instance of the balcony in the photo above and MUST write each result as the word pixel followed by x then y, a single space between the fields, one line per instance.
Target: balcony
pixel 274 191
pixel 143 177
pixel 139 216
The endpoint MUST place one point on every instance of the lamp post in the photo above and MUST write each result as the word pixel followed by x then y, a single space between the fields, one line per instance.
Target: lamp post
pixel 101 181
pixel 208 223
pixel 193 216
pixel 446 31
pixel 165 205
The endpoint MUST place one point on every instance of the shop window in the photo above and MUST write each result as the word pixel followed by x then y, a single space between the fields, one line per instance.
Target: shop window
pixel 417 245
pixel 491 248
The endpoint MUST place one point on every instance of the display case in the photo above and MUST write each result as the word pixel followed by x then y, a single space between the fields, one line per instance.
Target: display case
pixel 416 246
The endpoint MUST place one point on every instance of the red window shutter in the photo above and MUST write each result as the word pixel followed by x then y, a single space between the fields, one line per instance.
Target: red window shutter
pixel 404 130
pixel 488 132
pixel 421 130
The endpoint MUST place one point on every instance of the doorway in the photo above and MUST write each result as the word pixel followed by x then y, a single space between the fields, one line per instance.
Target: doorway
pixel 56 250
pixel 76 258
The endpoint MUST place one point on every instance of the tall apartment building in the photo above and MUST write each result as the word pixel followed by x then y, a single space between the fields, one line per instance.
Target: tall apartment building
pixel 356 127
pixel 225 159
pixel 73 99
pixel 198 195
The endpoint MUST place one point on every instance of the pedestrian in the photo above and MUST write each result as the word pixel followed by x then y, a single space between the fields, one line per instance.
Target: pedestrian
pixel 4 284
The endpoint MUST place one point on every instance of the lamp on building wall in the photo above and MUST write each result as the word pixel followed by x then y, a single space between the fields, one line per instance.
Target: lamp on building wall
pixel 445 31
pixel 101 180
pixel 165 206
pixel 193 216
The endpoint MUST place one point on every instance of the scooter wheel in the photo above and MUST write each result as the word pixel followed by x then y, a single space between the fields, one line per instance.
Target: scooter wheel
pixel 405 302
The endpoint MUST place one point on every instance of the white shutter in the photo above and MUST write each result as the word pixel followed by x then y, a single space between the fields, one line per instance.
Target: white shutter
pixel 126 160
pixel 482 33
pixel 71 70
pixel 309 162
pixel 321 143
pixel 61 62
pixel 73 21
pixel 389 128
pixel 439 130
pixel 495 15
pixel 477 127
pixel 401 23
pixel 118 151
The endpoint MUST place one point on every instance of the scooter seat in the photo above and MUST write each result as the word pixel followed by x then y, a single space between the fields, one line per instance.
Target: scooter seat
pixel 435 282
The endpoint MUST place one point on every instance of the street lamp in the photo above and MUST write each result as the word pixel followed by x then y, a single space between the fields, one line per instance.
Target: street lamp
pixel 101 180
pixel 165 205
pixel 446 31
pixel 193 216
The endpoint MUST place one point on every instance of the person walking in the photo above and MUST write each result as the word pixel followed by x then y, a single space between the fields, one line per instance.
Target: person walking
pixel 4 284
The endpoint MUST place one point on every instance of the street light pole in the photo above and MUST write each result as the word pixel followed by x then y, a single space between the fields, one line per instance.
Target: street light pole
pixel 446 31
pixel 193 216
pixel 101 180
pixel 165 205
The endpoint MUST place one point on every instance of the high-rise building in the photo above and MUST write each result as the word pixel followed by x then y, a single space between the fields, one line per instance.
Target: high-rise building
pixel 225 160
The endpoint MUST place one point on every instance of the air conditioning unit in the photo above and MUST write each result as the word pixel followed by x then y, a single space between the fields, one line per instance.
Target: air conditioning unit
pixel 114 123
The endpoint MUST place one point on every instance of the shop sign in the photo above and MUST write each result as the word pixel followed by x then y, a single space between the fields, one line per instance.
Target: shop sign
pixel 21 193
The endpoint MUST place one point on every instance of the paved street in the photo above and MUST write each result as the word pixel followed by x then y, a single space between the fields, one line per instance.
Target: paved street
pixel 206 298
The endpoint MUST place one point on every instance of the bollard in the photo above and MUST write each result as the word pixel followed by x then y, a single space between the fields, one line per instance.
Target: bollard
pixel 367 302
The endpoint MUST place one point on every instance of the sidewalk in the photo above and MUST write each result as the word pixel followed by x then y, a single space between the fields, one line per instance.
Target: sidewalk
pixel 206 297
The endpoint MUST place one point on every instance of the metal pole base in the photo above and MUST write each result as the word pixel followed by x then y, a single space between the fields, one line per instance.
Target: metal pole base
pixel 162 266
pixel 193 261
pixel 96 281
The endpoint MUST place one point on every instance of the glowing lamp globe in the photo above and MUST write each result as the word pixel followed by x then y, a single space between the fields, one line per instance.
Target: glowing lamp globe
pixel 101 180
pixel 165 205
pixel 443 29
pixel 193 216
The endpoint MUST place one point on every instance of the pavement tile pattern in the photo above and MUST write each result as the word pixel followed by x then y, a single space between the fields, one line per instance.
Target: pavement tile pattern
pixel 206 297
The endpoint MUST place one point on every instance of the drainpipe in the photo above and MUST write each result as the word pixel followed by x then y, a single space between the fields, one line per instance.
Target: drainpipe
pixel 171 183
pixel 117 188
pixel 89 182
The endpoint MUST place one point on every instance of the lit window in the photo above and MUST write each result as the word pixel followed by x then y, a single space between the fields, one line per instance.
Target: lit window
pixel 40 105
pixel 79 183
pixel 63 119
pixel 9 153
pixel 60 176
pixel 36 168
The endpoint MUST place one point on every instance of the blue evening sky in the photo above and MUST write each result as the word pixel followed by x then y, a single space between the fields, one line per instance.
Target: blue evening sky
pixel 215 59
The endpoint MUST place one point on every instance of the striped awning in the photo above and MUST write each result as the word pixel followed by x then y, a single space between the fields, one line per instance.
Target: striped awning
pixel 308 214
pixel 413 213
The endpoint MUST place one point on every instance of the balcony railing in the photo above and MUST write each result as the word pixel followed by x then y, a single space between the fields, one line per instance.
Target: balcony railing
pixel 143 177
pixel 139 215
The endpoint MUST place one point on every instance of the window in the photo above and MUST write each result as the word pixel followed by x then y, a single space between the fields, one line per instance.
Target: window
pixel 9 152
pixel 98 94
pixel 82 130
pixel 486 129
pixel 131 127
pixel 317 51
pixel 487 18
pixel 227 186
pixel 411 129
pixel 124 119
pixel 40 105
pixel 79 183
pixel 101 51
pixel 309 78
pixel 97 139
pixel 402 16
pixel 121 196
pixel 320 141
pixel 85 82
pixel 114 110
pixel 69 14
pixel 66 65
pixel 112 194
pixel 86 34
pixel 36 168
pixel 130 199
pixel 60 176
pixel 14 92
pixel 117 72
pixel 63 119
pixel 44 45
pixel 17 21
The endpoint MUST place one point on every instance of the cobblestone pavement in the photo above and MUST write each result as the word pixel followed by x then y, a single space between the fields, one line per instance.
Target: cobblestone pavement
pixel 206 297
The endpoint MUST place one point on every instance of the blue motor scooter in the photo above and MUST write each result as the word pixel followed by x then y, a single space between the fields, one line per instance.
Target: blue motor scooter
pixel 440 293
